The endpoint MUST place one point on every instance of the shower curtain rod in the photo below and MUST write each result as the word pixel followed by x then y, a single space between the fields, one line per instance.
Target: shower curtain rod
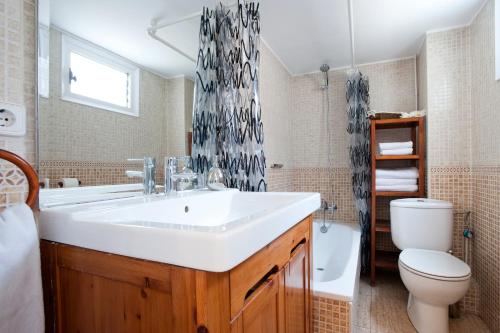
pixel 152 34
pixel 157 25
pixel 351 30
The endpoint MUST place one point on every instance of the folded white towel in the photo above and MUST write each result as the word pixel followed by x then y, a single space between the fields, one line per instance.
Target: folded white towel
pixel 395 181
pixel 399 188
pixel 395 145
pixel 397 173
pixel 399 151
pixel 21 303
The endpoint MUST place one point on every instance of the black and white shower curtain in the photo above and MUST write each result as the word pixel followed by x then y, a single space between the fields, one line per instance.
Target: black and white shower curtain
pixel 358 127
pixel 205 90
pixel 227 121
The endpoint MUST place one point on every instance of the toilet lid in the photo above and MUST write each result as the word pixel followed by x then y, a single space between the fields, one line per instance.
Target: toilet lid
pixel 436 264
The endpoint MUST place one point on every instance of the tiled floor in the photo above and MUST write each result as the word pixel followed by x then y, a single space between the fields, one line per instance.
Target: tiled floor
pixel 382 309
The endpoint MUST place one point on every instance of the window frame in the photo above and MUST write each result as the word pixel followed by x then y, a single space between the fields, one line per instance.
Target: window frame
pixel 43 53
pixel 95 53
pixel 496 33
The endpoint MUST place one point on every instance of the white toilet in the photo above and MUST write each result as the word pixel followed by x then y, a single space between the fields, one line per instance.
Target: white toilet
pixel 423 230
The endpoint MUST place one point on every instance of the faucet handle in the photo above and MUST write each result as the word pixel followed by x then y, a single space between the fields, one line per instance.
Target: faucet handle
pixel 133 173
pixel 146 160
pixel 325 206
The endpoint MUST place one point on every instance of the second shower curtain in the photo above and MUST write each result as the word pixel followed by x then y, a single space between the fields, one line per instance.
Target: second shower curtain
pixel 358 127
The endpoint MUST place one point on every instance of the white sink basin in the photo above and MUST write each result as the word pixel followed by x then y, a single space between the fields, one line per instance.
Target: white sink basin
pixel 213 231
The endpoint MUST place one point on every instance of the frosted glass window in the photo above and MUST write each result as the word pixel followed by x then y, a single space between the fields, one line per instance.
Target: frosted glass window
pixel 95 77
pixel 92 79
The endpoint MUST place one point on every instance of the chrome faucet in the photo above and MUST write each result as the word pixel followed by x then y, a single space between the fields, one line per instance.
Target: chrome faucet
pixel 178 175
pixel 147 175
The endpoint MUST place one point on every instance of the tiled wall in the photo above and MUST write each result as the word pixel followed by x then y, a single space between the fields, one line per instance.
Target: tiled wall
pixel 74 135
pixel 92 173
pixel 76 132
pixel 447 87
pixel 276 107
pixel 17 85
pixel 486 245
pixel 448 98
pixel 331 316
pixel 320 140
pixel 178 91
pixel 444 78
pixel 463 152
pixel 485 156
pixel 422 78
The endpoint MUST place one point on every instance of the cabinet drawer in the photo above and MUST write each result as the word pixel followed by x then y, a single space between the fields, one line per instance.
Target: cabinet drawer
pixel 272 257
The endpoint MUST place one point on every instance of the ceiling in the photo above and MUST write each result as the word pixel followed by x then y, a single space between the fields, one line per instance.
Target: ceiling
pixel 303 33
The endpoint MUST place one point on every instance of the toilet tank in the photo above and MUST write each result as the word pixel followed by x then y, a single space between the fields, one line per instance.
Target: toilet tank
pixel 422 224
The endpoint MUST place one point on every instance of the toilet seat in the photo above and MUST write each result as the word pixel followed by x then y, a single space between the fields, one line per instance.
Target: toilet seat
pixel 436 265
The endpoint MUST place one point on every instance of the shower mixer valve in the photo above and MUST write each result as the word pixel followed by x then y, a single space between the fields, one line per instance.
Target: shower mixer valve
pixel 328 208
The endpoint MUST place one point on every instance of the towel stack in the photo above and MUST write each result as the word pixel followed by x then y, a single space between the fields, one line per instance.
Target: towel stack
pixel 395 148
pixel 401 180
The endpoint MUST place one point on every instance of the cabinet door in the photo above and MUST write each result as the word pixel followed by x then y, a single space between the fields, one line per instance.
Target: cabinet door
pixel 264 309
pixel 297 290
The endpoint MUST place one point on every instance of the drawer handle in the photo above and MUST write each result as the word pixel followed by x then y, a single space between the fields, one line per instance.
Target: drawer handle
pixel 267 278
pixel 297 247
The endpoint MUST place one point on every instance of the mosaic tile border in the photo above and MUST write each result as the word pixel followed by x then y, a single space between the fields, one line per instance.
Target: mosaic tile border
pixel 92 173
pixel 331 315
pixel 13 184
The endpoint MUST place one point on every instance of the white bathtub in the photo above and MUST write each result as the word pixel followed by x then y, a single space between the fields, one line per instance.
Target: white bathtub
pixel 336 260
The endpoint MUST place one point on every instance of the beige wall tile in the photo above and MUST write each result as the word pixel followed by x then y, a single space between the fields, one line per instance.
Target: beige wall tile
pixel 276 109
pixel 17 83
pixel 457 69
pixel 485 90
pixel 448 98
pixel 175 121
pixel 422 77
pixel 75 132
pixel 485 166
pixel 331 315
pixel 319 137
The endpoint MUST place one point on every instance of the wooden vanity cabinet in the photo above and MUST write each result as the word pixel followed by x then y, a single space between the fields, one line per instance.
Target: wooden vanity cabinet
pixel 297 286
pixel 92 291
pixel 264 311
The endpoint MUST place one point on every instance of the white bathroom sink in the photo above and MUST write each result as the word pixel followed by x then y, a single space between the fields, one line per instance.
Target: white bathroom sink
pixel 213 231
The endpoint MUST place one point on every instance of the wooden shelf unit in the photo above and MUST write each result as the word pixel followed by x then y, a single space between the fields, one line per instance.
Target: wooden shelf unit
pixel 388 259
pixel 396 157
pixel 383 226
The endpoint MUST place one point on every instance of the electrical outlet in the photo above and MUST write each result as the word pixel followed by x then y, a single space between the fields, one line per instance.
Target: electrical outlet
pixel 7 118
pixel 12 119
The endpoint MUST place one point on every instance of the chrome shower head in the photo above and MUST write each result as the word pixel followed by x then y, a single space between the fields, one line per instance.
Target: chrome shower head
pixel 325 68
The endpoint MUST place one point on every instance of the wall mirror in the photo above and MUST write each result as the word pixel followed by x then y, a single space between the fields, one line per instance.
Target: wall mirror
pixel 115 82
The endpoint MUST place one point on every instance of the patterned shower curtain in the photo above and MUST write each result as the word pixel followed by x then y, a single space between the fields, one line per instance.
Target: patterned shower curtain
pixel 205 90
pixel 358 127
pixel 237 135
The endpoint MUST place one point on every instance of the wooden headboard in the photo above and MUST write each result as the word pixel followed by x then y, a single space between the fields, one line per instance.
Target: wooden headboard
pixel 28 171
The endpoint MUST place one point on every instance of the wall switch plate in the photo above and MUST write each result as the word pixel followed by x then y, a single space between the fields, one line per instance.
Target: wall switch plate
pixel 12 119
